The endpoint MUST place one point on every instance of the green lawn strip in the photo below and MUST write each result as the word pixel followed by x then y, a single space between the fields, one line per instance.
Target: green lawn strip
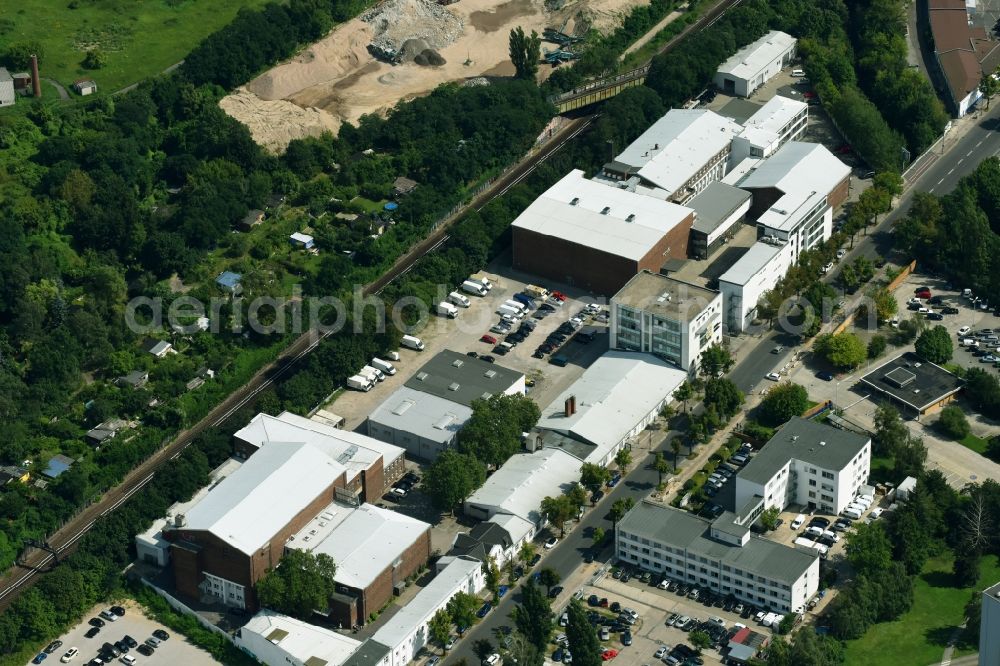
pixel 977 444
pixel 140 39
pixel 920 636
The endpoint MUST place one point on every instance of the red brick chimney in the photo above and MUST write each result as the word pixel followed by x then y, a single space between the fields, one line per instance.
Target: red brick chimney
pixel 36 83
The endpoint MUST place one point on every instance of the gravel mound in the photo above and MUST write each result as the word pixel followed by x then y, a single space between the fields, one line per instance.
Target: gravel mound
pixel 424 23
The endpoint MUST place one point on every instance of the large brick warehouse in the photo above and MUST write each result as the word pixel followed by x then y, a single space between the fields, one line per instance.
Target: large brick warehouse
pixel 597 236
pixel 292 495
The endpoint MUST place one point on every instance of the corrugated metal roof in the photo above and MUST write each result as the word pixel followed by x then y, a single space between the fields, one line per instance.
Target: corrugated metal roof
pixel 300 640
pixel 521 483
pixel 754 57
pixel 419 413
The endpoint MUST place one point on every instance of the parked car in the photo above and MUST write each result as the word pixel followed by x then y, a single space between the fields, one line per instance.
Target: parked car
pixel 773 376
pixel 551 542
pixel 144 650
pixel 486 608
pixel 93 631
pixel 69 655
pixel 825 375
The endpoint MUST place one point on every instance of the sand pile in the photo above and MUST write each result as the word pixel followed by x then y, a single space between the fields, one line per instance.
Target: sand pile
pixel 273 124
pixel 395 21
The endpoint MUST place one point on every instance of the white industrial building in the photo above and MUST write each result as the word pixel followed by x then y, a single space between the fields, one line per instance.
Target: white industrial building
pixel 521 483
pixel 660 315
pixel 7 95
pixel 612 403
pixel 794 193
pixel 745 282
pixel 406 632
pixel 678 156
pixel 809 464
pixel 754 64
pixel 776 123
pixel 989 627
pixel 722 556
pixel 276 640
pixel 720 210
pixel 424 415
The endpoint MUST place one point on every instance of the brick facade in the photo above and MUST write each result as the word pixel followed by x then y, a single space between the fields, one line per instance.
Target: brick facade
pixel 563 260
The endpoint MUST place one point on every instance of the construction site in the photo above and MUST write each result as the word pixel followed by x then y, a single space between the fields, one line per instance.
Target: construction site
pixel 401 49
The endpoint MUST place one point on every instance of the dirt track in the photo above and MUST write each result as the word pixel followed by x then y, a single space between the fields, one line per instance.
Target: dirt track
pixel 337 80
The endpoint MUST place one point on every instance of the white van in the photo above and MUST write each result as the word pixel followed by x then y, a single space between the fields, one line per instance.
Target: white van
pixel 459 300
pixel 476 288
pixel 384 366
pixel 517 305
pixel 412 342
pixel 373 374
pixel 815 531
pixel 798 73
pixel 799 519
pixel 853 514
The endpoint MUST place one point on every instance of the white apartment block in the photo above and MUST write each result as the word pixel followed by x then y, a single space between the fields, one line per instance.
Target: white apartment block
pixel 754 64
pixel 665 317
pixel 745 282
pixel 721 556
pixel 808 464
pixel 776 123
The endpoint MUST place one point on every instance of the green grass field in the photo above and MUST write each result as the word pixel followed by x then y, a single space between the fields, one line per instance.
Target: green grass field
pixel 141 38
pixel 977 444
pixel 920 636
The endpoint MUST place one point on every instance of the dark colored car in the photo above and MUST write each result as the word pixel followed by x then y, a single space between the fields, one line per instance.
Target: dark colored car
pixel 93 631
pixel 122 646
pixel 593 600
pixel 488 359
pixel 118 610
pixel 819 521
pixel 949 310
pixel 39 658
pixel 145 650
pixel 597 496
pixel 535 560
pixel 129 641
pixel 111 649
pixel 934 300
pixel 615 478
pixel 487 607
pixel 52 647
pixel 935 316
pixel 538 354
pixel 825 375
pixel 96 622
pixel 555 591
pixel 616 607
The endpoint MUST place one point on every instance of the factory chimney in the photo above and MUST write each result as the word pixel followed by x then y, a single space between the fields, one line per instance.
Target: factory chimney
pixel 36 84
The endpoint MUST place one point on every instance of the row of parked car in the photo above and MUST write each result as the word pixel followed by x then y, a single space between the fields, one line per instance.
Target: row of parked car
pixel 402 487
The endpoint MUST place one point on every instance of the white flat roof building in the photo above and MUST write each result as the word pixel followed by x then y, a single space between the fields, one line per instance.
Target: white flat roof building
pixel 358 453
pixel 364 541
pixel 673 320
pixel 406 632
pixel 795 191
pixel 779 121
pixel 521 483
pixel 807 463
pixel 754 64
pixel 745 282
pixel 278 640
pixel 680 153
pixel 598 215
pixel 255 502
pixel 423 424
pixel 615 399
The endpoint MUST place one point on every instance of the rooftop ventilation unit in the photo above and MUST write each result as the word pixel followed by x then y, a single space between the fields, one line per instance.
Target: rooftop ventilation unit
pixel 490 374
pixel 421 376
pixel 454 386
pixel 457 363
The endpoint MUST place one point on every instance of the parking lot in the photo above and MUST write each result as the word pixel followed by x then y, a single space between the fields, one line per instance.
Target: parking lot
pixel 463 334
pixel 176 650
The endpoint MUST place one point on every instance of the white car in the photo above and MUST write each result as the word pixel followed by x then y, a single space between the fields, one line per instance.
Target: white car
pixel 492 660
pixel 127 659
pixel 841 253
pixel 661 652
pixel 773 376
pixel 551 542
pixel 70 654
pixel 876 512
pixel 828 268
pixel 965 330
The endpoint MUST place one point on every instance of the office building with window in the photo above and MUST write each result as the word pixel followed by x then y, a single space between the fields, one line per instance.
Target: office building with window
pixel 809 464
pixel 753 65
pixel 721 556
pixel 660 315
pixel 776 123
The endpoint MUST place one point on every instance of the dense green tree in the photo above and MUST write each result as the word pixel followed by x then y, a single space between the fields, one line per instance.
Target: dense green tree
pixel 491 573
pixel 868 548
pixel 876 346
pixel 683 393
pixel 557 510
pixel 769 518
pixel 715 361
pixel 549 577
pixel 620 507
pixel 935 345
pixel 661 466
pixel 700 640
pixel 439 628
pixel 844 350
pixel 493 433
pixel 533 615
pixel 723 395
pixel 452 478
pixel 952 423
pixel 525 53
pixel 623 459
pixel 482 648
pixel 594 476
pixel 582 637
pixel 782 402
pixel 300 584
pixel 462 609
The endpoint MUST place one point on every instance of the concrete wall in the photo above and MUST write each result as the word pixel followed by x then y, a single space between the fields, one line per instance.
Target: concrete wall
pixel 378 594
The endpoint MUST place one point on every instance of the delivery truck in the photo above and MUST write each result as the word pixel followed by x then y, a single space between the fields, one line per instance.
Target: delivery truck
pixel 412 342
pixel 535 291
pixel 360 383
pixel 386 367
pixel 475 288
pixel 446 309
pixel 458 299
pixel 371 373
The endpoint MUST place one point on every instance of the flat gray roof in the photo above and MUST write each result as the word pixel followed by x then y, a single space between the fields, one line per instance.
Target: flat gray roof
pixel 423 414
pixel 681 529
pixel 913 381
pixel 726 523
pixel 752 262
pixel 462 379
pixel 715 204
pixel 370 653
pixel 665 296
pixel 811 442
